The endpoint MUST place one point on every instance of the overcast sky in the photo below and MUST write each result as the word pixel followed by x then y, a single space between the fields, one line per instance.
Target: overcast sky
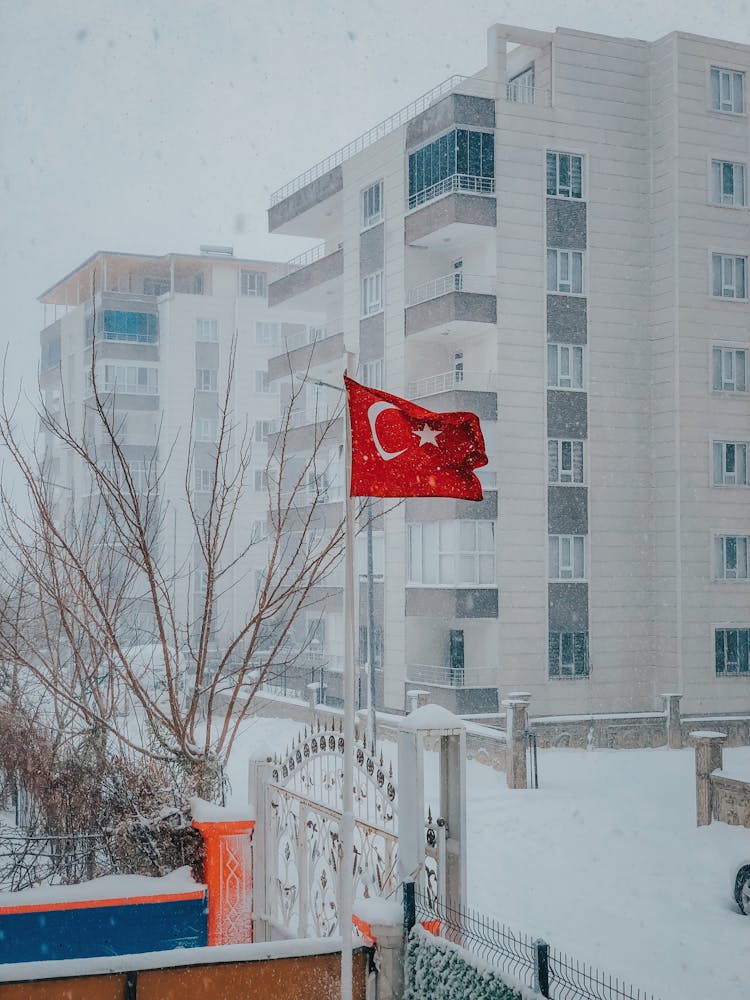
pixel 157 126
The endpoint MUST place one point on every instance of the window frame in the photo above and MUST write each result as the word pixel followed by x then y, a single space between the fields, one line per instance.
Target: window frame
pixel 207 431
pixel 735 350
pixel 732 72
pixel 725 629
pixel 722 163
pixel 262 328
pixel 723 543
pixel 201 325
pixel 368 221
pixel 569 257
pixel 373 373
pixel 431 536
pixel 572 674
pixel 721 455
pixel 556 545
pixel 517 85
pixel 204 480
pixel 559 350
pixel 720 255
pixel 258 287
pixel 557 153
pixel 371 305
pixel 558 443
pixel 212 380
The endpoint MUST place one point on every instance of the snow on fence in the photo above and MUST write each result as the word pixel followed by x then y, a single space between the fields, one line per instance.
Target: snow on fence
pixel 486 960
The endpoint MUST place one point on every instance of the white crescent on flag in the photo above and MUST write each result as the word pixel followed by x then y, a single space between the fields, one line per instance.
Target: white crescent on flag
pixel 373 413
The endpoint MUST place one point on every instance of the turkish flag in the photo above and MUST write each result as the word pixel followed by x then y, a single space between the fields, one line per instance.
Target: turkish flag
pixel 400 449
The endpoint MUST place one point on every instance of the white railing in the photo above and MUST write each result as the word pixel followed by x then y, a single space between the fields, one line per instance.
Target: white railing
pixel 423 673
pixel 447 381
pixel 367 138
pixel 314 415
pixel 456 182
pixel 311 493
pixel 131 388
pixel 310 335
pixel 305 258
pixel 522 93
pixel 456 281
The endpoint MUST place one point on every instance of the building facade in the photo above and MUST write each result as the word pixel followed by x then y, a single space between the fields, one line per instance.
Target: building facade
pixel 163 330
pixel 560 244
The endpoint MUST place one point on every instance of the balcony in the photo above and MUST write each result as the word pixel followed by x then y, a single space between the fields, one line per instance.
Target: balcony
pixel 311 279
pixel 312 354
pixel 462 690
pixel 462 381
pixel 456 304
pixel 455 182
pixel 460 218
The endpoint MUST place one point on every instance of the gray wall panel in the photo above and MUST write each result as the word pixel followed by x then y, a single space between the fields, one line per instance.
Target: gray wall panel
pixel 567 510
pixel 566 414
pixel 566 319
pixel 314 192
pixel 455 109
pixel 372 250
pixel 566 224
pixel 568 607
pixel 467 208
pixel 371 337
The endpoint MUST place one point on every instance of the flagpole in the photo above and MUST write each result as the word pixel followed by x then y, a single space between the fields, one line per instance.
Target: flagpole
pixel 346 876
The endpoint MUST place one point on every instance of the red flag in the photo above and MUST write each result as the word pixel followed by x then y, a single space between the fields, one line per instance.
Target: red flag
pixel 400 449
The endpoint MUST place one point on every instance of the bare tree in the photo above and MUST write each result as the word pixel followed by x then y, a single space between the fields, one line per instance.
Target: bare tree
pixel 84 571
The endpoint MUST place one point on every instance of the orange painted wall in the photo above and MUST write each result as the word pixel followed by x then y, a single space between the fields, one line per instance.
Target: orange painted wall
pixel 315 976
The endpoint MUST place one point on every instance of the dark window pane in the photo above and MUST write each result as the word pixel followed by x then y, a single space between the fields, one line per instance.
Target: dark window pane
pixel 575 179
pixel 719 650
pixel 475 154
pixel 488 154
pixel 551 173
pixel 744 637
pixel 580 658
pixel 554 654
pixel 412 174
pixel 462 151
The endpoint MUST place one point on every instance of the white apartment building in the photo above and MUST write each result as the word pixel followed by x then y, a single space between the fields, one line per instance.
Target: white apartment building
pixel 560 244
pixel 164 328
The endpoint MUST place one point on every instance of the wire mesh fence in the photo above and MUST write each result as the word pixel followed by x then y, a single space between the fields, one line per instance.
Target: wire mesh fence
pixel 28 860
pixel 532 961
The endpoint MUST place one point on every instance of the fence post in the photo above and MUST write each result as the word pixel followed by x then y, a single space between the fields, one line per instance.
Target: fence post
pixel 228 873
pixel 541 967
pixel 708 758
pixel 517 706
pixel 410 907
pixel 674 726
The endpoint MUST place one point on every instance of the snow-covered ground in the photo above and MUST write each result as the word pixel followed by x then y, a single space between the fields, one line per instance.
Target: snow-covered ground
pixel 604 861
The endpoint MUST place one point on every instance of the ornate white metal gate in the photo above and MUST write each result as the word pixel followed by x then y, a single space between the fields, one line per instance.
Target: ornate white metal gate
pixel 304 809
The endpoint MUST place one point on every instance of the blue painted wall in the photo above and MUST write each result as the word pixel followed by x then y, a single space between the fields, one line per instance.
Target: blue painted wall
pixel 118 929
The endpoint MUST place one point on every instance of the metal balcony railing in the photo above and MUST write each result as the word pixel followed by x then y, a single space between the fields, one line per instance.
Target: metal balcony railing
pixel 314 415
pixel 310 335
pixel 372 135
pixel 305 258
pixel 456 281
pixel 423 673
pixel 447 381
pixel 455 182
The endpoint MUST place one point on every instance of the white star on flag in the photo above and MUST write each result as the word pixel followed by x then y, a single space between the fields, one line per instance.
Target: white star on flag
pixel 427 435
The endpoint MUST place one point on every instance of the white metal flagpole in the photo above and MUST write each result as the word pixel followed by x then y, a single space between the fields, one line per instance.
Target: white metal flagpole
pixel 346 874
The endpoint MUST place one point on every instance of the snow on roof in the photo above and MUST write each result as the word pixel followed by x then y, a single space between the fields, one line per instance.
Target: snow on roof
pixel 431 717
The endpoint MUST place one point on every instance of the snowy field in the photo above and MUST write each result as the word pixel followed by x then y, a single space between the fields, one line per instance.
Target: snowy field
pixel 604 861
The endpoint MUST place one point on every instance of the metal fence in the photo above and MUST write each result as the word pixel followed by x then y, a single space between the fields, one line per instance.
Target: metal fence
pixel 531 961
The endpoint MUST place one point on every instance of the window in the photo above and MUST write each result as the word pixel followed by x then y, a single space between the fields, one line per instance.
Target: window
pixel 51 354
pixel 132 327
pixel 372 373
pixel 727 90
pixel 253 283
pixel 264 384
pixel 731 650
pixel 730 463
pixel 208 430
pixel 729 369
pixel 377 650
pixel 566 557
pixel 260 481
pixel 207 330
pixel 201 582
pixel 266 334
pixel 731 557
pixel 565 461
pixel 521 86
pixel 564 175
pixel 568 654
pixel 136 379
pixel 205 479
pixel 206 379
pixel 565 366
pixel 728 183
pixel 460 160
pixel 565 271
pixel 378 554
pixel 452 553
pixel 458 367
pixel 728 276
pixel 372 293
pixel 155 286
pixel 372 205
pixel 263 428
